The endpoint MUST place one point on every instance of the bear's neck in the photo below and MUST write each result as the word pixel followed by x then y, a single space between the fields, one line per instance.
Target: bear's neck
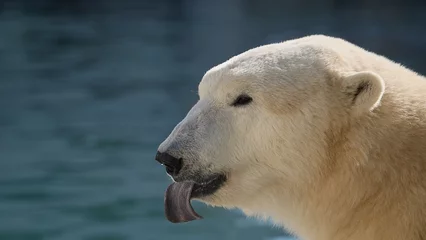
pixel 366 186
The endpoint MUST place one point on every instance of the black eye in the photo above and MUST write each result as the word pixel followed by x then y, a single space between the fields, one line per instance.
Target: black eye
pixel 242 100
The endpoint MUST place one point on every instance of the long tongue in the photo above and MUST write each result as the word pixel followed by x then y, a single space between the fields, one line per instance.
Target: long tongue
pixel 177 203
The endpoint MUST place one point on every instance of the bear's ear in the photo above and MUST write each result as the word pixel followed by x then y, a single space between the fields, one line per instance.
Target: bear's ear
pixel 363 90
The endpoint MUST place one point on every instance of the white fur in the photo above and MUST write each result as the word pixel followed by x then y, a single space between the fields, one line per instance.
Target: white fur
pixel 320 153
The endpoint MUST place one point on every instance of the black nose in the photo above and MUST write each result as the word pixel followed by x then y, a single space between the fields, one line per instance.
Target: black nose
pixel 173 165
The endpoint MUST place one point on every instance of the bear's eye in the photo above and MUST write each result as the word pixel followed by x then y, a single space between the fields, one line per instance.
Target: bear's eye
pixel 243 99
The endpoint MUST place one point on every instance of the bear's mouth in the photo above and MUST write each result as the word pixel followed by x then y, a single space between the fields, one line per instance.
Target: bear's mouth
pixel 178 196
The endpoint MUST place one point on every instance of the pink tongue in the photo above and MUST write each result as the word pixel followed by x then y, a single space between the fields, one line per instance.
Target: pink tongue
pixel 177 203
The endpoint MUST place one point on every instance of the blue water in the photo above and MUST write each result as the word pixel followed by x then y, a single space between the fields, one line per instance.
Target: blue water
pixel 85 99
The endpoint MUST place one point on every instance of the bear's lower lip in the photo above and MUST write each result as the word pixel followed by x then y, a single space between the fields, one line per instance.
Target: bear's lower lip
pixel 209 186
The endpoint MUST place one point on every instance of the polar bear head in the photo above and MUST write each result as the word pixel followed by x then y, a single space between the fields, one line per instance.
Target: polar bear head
pixel 266 121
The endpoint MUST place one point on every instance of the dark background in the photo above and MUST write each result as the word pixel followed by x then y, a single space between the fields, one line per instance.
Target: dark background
pixel 88 89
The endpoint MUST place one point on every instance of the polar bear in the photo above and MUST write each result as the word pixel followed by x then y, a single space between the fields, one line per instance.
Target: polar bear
pixel 322 136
